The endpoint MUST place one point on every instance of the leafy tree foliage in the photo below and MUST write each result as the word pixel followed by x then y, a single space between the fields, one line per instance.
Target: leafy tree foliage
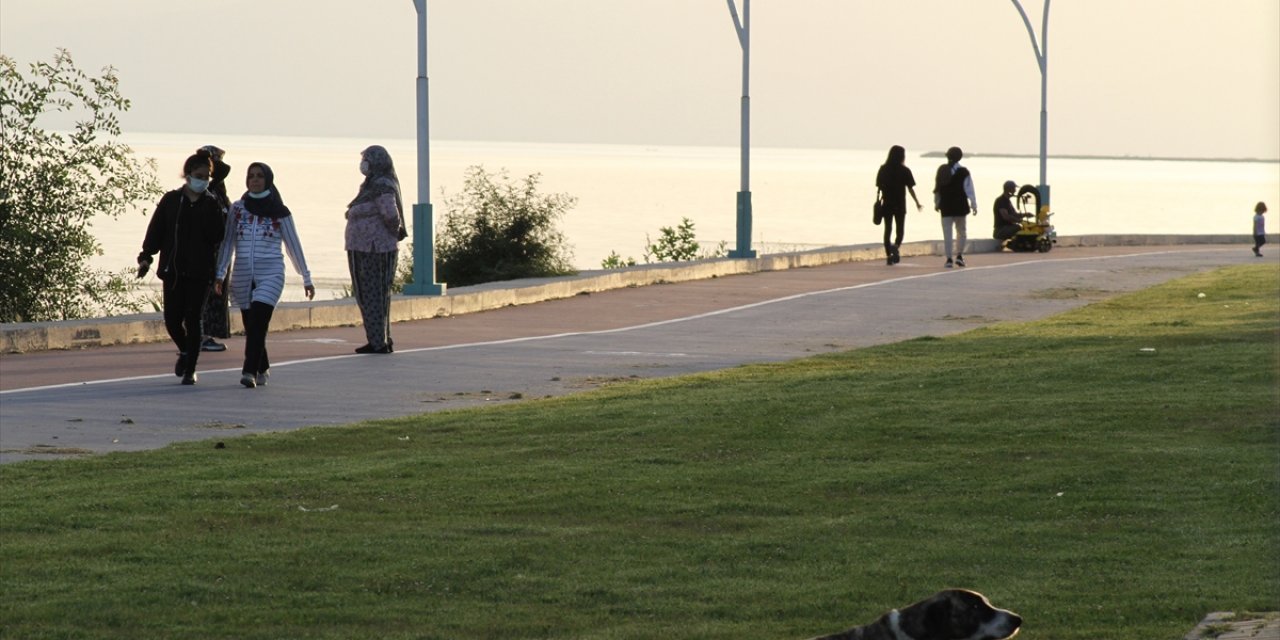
pixel 54 185
pixel 499 230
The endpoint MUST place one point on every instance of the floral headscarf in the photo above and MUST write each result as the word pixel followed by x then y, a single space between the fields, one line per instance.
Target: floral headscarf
pixel 380 180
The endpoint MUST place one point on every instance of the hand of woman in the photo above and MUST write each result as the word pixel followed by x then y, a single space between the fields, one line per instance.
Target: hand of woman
pixel 311 291
pixel 217 288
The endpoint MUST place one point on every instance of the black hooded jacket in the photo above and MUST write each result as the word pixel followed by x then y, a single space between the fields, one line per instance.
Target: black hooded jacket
pixel 186 234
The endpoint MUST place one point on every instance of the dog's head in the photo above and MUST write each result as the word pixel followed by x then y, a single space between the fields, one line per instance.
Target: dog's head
pixel 957 614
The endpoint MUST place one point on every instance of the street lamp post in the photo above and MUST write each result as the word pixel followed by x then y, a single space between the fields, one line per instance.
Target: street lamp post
pixel 1041 50
pixel 424 259
pixel 743 27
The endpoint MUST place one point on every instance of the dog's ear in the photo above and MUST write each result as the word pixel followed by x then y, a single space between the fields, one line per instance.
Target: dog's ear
pixel 937 619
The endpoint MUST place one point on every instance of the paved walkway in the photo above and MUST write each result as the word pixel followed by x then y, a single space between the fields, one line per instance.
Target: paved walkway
pixel 123 398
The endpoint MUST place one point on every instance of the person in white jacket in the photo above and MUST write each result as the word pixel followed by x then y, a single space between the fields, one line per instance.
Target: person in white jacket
pixel 259 229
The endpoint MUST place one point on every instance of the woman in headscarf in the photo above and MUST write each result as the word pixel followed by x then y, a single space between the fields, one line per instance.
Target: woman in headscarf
pixel 258 225
pixel 375 224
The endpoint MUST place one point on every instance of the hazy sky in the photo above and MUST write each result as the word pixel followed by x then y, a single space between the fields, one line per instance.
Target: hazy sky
pixel 1143 77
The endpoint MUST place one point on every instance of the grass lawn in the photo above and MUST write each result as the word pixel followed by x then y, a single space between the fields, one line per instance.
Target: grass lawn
pixel 1113 472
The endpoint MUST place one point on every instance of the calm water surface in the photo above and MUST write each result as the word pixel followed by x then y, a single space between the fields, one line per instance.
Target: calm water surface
pixel 802 198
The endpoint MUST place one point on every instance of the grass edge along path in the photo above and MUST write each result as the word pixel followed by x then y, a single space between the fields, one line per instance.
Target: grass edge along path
pixel 1107 473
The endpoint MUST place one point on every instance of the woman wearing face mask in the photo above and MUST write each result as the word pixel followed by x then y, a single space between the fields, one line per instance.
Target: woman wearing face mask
pixel 259 226
pixel 375 220
pixel 185 229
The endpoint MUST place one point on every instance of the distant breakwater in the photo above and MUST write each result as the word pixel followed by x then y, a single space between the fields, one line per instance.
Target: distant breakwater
pixel 943 154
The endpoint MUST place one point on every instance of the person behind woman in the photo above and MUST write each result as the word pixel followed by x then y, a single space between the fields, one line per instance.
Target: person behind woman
pixel 374 220
pixel 185 229
pixel 217 320
pixel 1259 228
pixel 258 225
pixel 893 180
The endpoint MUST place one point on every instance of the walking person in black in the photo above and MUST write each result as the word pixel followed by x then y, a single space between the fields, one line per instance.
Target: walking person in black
pixel 185 229
pixel 894 181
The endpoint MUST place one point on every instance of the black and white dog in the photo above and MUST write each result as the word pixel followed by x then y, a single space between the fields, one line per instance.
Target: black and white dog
pixel 954 614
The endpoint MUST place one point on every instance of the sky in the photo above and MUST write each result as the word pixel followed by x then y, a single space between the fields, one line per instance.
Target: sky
pixel 1183 78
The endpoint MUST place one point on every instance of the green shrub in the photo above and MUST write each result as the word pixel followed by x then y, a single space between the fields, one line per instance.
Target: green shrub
pixel 499 230
pixel 615 261
pixel 674 244
pixel 54 185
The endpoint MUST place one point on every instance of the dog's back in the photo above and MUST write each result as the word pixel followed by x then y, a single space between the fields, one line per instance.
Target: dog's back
pixel 954 613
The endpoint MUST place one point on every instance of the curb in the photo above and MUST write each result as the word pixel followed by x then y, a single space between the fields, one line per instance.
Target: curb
pixel 1227 625
pixel 26 337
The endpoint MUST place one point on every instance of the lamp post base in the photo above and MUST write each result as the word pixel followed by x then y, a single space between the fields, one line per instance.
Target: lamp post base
pixel 744 227
pixel 424 258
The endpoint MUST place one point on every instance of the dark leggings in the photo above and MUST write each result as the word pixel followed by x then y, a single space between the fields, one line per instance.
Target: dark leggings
pixel 893 221
pixel 256 320
pixel 183 303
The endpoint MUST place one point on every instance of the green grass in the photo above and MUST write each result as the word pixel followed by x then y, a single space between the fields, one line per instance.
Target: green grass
pixel 1100 490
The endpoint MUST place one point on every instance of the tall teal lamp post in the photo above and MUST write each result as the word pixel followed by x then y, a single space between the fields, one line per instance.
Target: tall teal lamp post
pixel 424 254
pixel 743 27
pixel 1041 50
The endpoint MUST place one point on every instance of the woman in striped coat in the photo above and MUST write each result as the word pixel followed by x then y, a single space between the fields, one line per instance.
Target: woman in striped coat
pixel 259 226
pixel 374 221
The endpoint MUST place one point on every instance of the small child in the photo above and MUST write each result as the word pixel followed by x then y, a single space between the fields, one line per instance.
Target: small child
pixel 1259 228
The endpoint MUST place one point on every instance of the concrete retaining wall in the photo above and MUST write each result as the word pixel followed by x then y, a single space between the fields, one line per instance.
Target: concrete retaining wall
pixel 149 327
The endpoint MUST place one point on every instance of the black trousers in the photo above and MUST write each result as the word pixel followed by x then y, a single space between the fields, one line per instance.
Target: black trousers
pixel 1006 231
pixel 891 222
pixel 183 306
pixel 257 318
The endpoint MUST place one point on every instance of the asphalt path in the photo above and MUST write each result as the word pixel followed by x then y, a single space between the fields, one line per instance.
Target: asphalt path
pixel 126 398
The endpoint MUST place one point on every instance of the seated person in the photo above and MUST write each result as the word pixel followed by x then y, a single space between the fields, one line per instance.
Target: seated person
pixel 1008 220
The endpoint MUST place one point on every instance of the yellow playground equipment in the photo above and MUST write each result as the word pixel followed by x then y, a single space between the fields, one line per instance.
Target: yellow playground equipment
pixel 1036 233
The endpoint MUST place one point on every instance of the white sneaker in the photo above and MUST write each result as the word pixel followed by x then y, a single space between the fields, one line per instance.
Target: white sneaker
pixel 248 381
pixel 261 378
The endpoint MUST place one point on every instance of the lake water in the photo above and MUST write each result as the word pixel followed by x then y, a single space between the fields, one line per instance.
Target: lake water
pixel 801 198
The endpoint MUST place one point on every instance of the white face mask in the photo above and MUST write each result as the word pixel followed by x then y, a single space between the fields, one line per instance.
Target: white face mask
pixel 196 184
pixel 260 194
pixel 364 167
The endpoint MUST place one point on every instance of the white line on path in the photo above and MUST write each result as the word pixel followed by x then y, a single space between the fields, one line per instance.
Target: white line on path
pixel 647 325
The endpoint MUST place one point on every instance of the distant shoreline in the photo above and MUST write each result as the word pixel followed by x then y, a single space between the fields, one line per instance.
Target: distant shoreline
pixel 942 154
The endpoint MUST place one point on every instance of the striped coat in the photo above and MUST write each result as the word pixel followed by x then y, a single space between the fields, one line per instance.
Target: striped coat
pixel 257 244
